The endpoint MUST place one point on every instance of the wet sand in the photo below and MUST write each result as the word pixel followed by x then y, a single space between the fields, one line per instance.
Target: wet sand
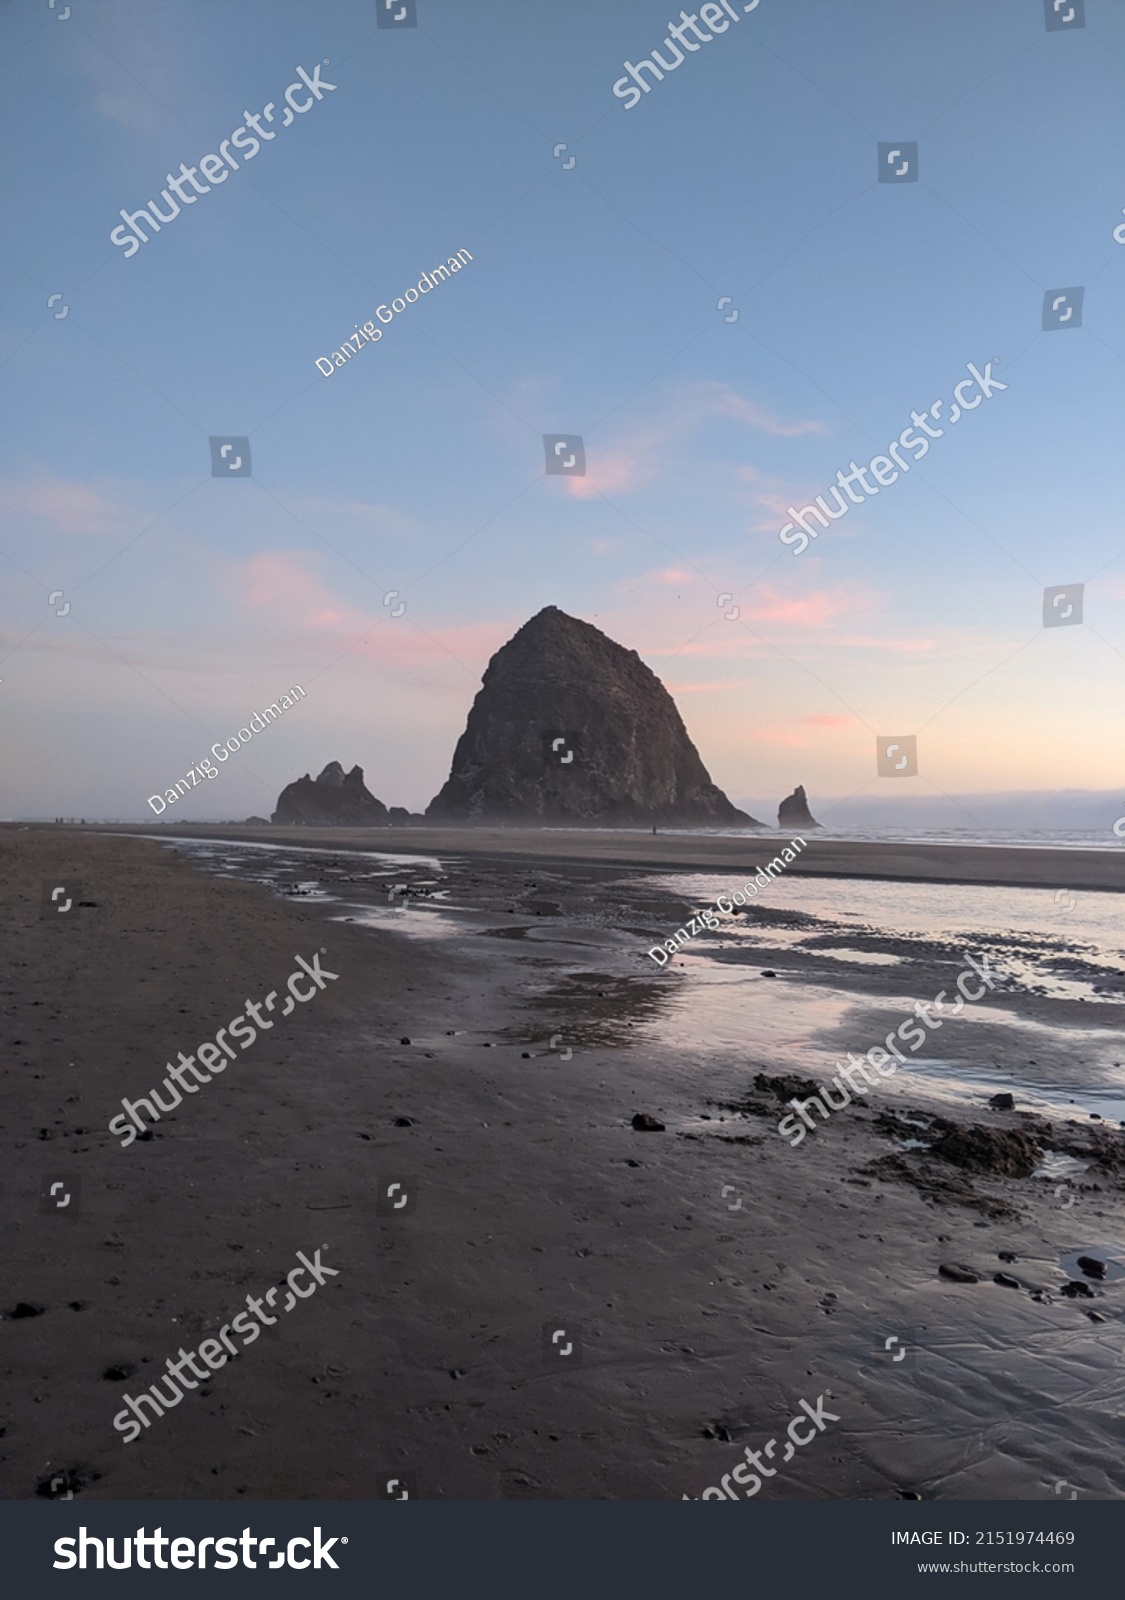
pixel 712 1275
pixel 832 858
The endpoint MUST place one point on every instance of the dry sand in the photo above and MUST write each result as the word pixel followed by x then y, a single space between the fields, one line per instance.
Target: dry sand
pixel 702 1328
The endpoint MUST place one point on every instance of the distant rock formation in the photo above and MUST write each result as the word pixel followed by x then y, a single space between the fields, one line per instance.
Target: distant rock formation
pixel 570 727
pixel 399 817
pixel 793 812
pixel 333 800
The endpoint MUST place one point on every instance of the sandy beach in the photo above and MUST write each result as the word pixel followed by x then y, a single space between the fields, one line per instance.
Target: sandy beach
pixel 834 858
pixel 487 1041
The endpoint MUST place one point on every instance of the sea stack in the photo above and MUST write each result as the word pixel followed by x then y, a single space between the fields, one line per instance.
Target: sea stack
pixel 335 799
pixel 570 727
pixel 793 812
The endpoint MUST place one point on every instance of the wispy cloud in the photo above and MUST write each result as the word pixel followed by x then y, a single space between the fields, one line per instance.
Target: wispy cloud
pixel 636 453
pixel 137 74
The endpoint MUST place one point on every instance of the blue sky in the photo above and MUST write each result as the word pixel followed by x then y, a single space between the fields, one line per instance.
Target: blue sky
pixel 590 307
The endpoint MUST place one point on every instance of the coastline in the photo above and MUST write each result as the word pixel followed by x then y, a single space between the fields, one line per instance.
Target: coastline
pixel 995 866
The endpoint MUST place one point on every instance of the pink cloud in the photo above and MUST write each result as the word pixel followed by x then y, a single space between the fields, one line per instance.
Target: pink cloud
pixel 813 610
pixel 283 586
pixel 674 577
pixel 72 507
pixel 610 472
pixel 282 581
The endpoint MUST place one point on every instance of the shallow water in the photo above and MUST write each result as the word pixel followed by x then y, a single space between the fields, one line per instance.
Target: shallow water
pixel 835 945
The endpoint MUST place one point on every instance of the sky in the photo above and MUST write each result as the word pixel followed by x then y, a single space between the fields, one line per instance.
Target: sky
pixel 398 525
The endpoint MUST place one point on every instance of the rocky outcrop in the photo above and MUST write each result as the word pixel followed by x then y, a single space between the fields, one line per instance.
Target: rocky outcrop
pixel 335 799
pixel 794 813
pixel 399 817
pixel 570 727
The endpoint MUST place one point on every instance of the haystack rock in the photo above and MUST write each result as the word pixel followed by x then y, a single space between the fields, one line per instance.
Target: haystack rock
pixel 335 799
pixel 793 812
pixel 570 727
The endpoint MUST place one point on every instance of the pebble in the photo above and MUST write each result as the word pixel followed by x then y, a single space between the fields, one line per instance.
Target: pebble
pixel 643 1123
pixel 957 1273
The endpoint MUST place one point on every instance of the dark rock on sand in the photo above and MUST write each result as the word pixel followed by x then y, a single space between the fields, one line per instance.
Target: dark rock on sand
pixel 1076 1290
pixel 956 1273
pixel 1102 1147
pixel 1091 1266
pixel 1003 1102
pixel 25 1308
pixel 989 1151
pixel 793 812
pixel 1005 1280
pixel 571 727
pixel 785 1086
pixel 643 1123
pixel 61 1485
pixel 335 799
